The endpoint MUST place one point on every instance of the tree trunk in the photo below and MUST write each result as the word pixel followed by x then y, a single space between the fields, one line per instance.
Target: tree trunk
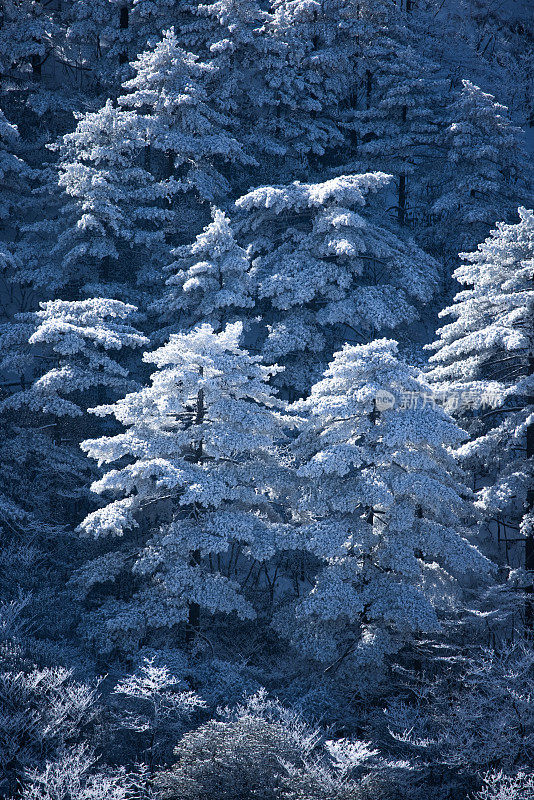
pixel 193 621
pixel 36 62
pixel 402 199
pixel 124 21
pixel 402 181
pixel 36 67
pixel 368 88
pixel 169 172
pixel 105 270
pixel 374 416
pixel 529 542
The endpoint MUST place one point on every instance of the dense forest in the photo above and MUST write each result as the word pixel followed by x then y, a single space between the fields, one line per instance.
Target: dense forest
pixel 266 400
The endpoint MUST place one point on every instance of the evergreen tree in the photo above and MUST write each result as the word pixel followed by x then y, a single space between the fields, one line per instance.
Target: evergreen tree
pixel 382 508
pixel 14 177
pixel 169 92
pixel 110 208
pixel 26 33
pixel 154 704
pixel 200 444
pixel 325 273
pixel 79 335
pixel 303 76
pixel 228 34
pixel 99 40
pixel 398 129
pixel 43 417
pixel 209 281
pixel 487 171
pixel 486 355
pixel 14 173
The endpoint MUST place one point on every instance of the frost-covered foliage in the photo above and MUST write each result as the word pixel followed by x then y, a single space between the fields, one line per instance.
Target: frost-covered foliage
pixel 321 544
pixel 229 34
pixel 14 173
pixel 111 209
pixel 43 710
pixel 209 281
pixel 68 363
pixel 154 704
pixel 25 34
pixel 78 336
pixel 326 273
pixel 399 127
pixel 479 712
pixel 488 172
pixel 202 474
pixel 382 507
pixel 301 82
pixel 261 749
pixel 485 354
pixel 98 38
pixel 76 775
pixel 499 786
pixel 169 92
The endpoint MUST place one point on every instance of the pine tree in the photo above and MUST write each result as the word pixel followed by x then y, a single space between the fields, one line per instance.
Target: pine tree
pixel 148 20
pixel 200 443
pixel 182 125
pixel 14 177
pixel 26 33
pixel 398 128
pixel 228 34
pixel 485 355
pixel 382 508
pixel 14 173
pixel 487 172
pixel 79 335
pixel 154 704
pixel 99 40
pixel 209 281
pixel 109 208
pixel 325 273
pixel 302 80
pixel 67 365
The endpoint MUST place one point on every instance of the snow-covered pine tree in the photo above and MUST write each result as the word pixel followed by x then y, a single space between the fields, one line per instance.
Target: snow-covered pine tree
pixel 37 471
pixel 149 18
pixel 229 35
pixel 200 482
pixel 398 128
pixel 154 705
pixel 487 173
pixel 99 40
pixel 111 211
pixel 209 281
pixel 14 178
pixel 103 36
pixel 26 33
pixel 14 172
pixel 382 508
pixel 44 483
pixel 181 123
pixel 487 352
pixel 302 77
pixel 78 337
pixel 327 274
